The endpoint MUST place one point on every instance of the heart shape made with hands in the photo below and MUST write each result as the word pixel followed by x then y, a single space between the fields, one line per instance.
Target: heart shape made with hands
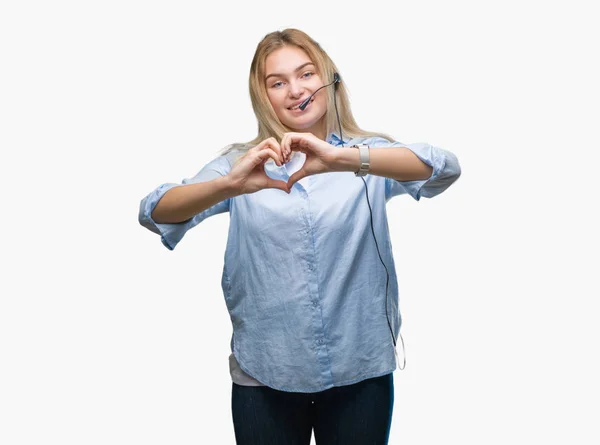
pixel 283 173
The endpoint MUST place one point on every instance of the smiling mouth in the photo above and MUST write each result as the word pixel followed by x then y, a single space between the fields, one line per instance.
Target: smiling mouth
pixel 297 107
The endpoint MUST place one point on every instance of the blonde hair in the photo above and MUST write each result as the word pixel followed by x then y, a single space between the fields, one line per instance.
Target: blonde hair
pixel 269 124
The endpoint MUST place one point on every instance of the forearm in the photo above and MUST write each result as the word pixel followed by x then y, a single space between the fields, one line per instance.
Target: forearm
pixel 395 162
pixel 183 202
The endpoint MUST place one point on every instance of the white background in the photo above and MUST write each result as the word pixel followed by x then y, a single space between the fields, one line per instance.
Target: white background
pixel 107 337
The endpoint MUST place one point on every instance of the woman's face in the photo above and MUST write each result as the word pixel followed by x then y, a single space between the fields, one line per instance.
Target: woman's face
pixel 291 77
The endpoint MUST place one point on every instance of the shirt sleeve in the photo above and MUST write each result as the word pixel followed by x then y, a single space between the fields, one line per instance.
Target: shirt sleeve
pixel 446 170
pixel 171 234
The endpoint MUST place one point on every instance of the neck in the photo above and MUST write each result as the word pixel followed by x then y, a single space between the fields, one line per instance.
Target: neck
pixel 321 135
pixel 319 131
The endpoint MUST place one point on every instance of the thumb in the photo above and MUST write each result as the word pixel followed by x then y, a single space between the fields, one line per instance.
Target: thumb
pixel 295 178
pixel 281 185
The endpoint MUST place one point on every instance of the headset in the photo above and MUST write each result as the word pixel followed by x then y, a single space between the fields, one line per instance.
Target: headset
pixel 303 105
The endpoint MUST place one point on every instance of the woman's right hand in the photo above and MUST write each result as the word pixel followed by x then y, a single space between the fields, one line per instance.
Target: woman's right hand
pixel 248 174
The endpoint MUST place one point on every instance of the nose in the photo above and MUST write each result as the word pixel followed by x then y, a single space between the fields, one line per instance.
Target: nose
pixel 296 89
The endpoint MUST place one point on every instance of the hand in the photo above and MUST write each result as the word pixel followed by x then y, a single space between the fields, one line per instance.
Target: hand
pixel 319 154
pixel 248 174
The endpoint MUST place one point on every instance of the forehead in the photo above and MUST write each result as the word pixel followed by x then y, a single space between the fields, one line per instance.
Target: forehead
pixel 285 60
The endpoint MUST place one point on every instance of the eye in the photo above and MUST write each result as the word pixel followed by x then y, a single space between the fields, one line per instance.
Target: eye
pixel 276 84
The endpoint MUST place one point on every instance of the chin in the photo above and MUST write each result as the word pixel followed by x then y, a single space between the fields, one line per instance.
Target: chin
pixel 300 125
pixel 303 122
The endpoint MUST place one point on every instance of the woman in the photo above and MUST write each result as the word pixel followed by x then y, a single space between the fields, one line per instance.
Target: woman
pixel 308 278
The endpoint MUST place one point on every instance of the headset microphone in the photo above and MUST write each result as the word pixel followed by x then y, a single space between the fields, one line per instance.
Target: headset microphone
pixel 303 105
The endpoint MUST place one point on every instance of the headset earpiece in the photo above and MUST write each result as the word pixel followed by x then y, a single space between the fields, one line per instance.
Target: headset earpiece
pixel 336 81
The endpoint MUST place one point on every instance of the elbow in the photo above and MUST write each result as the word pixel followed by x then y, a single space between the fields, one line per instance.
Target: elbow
pixel 145 218
pixel 455 169
pixel 451 170
pixel 448 176
pixel 142 218
pixel 454 173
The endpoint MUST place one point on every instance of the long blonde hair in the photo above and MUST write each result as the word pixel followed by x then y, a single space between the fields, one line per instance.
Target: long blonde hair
pixel 269 124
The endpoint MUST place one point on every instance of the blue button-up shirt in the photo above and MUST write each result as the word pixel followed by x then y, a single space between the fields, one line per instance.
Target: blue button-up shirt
pixel 302 279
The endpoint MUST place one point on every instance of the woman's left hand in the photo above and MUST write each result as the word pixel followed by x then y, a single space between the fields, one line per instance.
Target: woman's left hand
pixel 319 154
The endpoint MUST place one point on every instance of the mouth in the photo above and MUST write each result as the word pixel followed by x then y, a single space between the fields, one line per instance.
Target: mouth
pixel 297 110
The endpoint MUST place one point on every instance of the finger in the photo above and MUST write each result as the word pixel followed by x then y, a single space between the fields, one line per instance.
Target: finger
pixel 272 142
pixel 283 148
pixel 256 147
pixel 267 153
pixel 297 143
pixel 261 145
pixel 290 139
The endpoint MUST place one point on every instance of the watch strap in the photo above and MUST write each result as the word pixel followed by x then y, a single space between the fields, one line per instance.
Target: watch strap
pixel 364 159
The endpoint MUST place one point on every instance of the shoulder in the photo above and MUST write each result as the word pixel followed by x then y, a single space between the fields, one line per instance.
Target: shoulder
pixel 230 155
pixel 375 141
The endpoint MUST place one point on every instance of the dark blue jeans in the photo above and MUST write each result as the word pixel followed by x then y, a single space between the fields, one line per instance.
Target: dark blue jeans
pixel 358 414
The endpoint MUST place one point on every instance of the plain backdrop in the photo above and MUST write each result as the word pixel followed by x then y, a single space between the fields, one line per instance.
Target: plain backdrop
pixel 107 337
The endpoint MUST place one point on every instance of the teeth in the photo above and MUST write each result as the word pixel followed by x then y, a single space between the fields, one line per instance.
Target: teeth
pixel 296 107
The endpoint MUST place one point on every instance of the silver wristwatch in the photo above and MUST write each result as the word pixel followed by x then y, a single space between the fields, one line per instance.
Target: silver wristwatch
pixel 364 159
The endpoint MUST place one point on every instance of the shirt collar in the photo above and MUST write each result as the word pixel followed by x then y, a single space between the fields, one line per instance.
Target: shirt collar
pixel 334 140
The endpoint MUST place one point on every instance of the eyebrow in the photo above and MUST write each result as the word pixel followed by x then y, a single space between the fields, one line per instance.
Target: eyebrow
pixel 296 70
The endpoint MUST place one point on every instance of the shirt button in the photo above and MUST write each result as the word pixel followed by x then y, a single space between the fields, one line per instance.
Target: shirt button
pixel 320 341
pixel 315 303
